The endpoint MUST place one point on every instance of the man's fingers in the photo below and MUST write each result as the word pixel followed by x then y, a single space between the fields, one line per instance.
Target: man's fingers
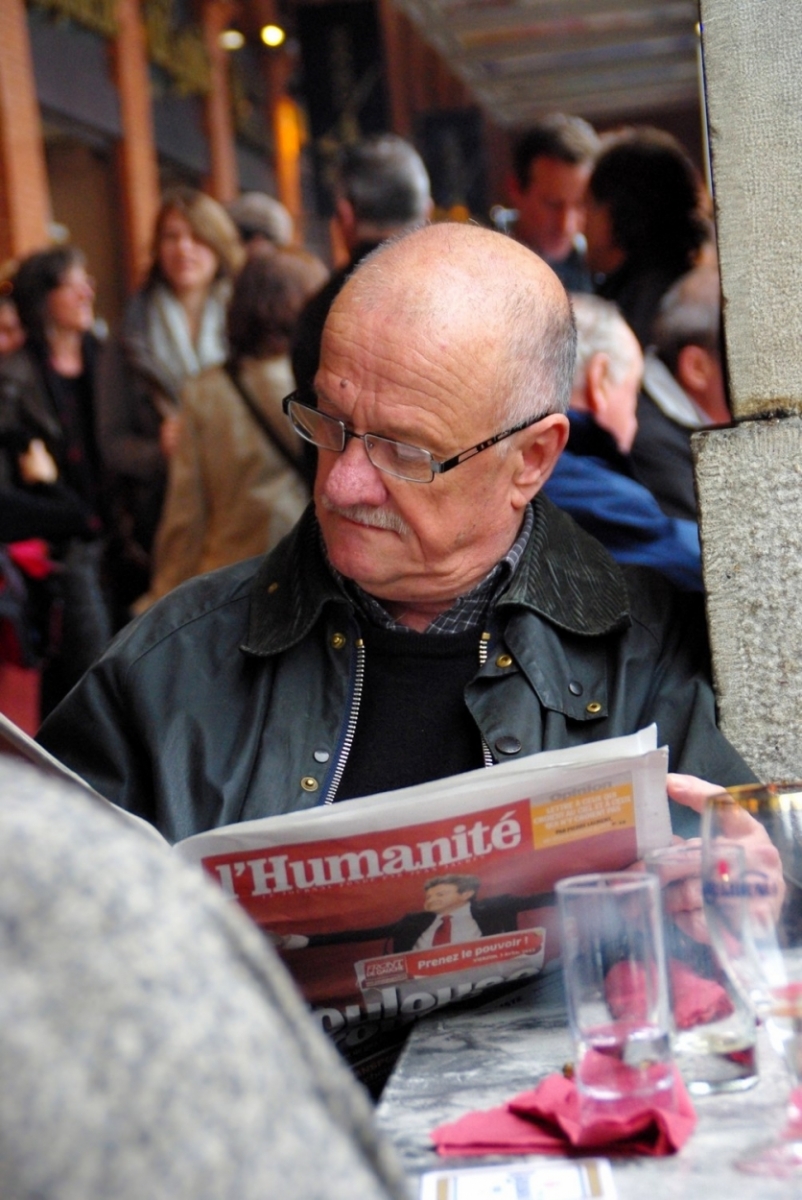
pixel 690 791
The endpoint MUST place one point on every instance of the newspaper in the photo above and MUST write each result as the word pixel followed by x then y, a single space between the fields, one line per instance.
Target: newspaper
pixel 350 893
pixel 353 894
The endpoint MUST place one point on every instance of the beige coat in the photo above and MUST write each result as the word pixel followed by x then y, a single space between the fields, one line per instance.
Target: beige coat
pixel 231 494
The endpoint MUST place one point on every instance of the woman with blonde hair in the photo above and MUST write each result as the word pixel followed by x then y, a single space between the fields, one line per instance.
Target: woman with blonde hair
pixel 173 329
pixel 238 479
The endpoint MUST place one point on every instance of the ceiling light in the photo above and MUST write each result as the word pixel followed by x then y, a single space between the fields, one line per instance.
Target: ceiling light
pixel 272 35
pixel 232 39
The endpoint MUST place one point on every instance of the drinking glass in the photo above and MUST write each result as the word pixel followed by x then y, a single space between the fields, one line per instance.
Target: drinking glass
pixel 615 985
pixel 714 1026
pixel 752 888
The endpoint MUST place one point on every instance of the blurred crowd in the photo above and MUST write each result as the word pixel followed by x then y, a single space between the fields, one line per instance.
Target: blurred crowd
pixel 132 464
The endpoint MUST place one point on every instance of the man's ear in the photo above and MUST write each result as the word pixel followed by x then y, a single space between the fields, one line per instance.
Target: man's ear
pixel 536 457
pixel 597 379
pixel 694 368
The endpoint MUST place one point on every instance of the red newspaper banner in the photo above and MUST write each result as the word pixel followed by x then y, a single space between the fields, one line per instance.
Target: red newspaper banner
pixel 326 902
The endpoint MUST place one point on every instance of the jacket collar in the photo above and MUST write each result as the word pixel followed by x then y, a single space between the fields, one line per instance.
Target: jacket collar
pixel 565 576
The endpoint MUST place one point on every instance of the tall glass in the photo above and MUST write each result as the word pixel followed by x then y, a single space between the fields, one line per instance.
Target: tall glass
pixel 615 985
pixel 752 887
pixel 714 1027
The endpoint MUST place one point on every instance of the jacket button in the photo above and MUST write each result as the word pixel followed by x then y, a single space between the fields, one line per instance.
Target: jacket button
pixel 593 708
pixel 309 783
pixel 271 588
pixel 575 687
pixel 504 660
pixel 338 640
pixel 508 745
pixel 321 756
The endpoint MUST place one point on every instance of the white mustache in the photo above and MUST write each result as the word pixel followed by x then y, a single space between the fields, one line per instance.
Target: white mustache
pixel 365 514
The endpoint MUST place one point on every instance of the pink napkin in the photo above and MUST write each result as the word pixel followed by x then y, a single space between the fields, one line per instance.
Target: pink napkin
pixel 697 1000
pixel 552 1120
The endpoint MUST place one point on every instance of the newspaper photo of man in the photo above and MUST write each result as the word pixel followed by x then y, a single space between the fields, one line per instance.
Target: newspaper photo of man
pixel 451 913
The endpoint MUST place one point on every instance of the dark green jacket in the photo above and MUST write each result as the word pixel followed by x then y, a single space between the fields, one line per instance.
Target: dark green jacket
pixel 231 698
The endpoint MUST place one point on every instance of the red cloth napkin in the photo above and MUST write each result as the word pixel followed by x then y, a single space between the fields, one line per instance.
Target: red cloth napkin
pixel 697 1000
pixel 553 1120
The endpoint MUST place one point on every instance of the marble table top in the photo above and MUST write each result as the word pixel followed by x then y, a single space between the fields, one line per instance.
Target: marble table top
pixel 456 1062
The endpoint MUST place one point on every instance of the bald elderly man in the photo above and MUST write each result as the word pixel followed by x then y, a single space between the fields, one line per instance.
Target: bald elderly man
pixel 431 612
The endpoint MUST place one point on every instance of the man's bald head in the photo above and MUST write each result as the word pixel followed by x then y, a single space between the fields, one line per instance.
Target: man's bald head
pixel 485 291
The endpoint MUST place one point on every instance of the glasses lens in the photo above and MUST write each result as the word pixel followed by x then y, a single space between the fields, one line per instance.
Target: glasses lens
pixel 316 427
pixel 399 459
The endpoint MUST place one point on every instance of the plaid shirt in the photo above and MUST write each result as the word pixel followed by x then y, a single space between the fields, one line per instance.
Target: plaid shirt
pixel 469 611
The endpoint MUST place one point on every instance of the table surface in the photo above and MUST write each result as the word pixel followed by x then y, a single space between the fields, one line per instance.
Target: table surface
pixel 458 1061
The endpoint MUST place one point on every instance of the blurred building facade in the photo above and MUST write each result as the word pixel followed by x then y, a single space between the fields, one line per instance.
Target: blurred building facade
pixel 104 102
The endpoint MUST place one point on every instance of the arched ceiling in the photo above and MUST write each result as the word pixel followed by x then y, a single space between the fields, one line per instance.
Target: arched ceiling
pixel 524 58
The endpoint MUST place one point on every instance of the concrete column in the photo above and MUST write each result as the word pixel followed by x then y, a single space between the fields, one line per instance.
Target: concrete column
pixel 750 477
pixel 137 163
pixel 223 182
pixel 24 194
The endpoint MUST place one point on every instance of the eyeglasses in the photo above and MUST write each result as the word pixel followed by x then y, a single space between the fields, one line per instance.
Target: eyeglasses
pixel 394 458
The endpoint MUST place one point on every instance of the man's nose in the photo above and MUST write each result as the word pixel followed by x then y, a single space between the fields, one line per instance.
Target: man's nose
pixel 352 478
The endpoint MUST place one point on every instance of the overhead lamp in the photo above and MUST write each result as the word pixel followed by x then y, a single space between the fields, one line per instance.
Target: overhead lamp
pixel 232 39
pixel 272 35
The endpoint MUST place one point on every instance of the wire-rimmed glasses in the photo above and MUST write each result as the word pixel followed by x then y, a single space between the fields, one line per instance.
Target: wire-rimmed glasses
pixel 400 459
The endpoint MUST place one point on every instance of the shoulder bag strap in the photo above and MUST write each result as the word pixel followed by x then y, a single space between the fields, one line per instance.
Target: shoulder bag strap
pixel 262 421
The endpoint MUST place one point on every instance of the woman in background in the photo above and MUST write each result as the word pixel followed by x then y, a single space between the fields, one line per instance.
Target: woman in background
pixel 173 329
pixel 237 473
pixel 49 464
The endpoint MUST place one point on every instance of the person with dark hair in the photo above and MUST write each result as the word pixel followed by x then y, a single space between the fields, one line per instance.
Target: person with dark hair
pixel 645 222
pixel 451 913
pixel 49 455
pixel 552 163
pixel 173 329
pixel 684 389
pixel 236 483
pixel 381 189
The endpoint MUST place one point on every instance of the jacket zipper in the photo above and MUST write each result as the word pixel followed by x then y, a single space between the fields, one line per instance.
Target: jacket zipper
pixel 484 642
pixel 356 699
pixel 353 716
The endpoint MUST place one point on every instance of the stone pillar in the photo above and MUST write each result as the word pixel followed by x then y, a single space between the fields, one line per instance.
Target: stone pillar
pixel 223 182
pixel 24 193
pixel 137 163
pixel 750 477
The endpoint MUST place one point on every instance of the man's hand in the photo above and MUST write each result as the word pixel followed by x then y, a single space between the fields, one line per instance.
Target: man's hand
pixel 740 827
pixel 690 791
pixel 289 941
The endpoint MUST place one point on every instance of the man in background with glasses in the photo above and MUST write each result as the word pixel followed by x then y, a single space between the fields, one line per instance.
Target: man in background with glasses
pixel 431 612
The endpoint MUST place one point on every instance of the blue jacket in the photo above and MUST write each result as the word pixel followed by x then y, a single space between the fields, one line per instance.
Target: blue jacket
pixel 592 481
